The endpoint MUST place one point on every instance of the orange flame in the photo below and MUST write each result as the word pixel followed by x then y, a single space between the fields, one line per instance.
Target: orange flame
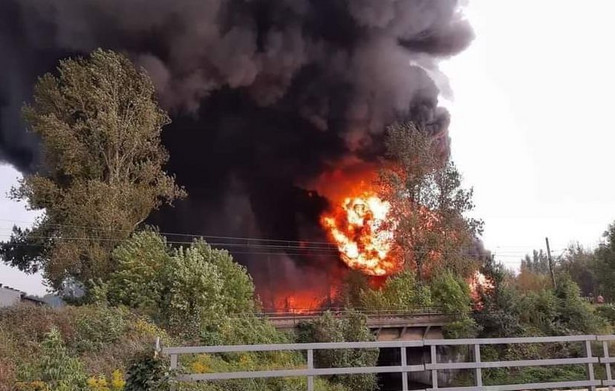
pixel 302 301
pixel 363 236
pixel 479 282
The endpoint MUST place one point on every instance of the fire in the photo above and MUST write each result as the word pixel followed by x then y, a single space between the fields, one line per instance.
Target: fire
pixel 479 282
pixel 363 236
pixel 302 302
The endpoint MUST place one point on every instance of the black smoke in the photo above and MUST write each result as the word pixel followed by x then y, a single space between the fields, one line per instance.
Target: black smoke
pixel 265 95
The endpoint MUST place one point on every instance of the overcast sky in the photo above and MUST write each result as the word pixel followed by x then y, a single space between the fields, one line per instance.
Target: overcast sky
pixel 530 128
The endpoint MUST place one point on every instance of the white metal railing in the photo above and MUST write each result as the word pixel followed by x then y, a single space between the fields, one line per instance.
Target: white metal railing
pixel 433 366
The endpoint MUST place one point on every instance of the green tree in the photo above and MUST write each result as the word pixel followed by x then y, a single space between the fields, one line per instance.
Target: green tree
pixel 99 125
pixel 499 315
pixel 401 292
pixel 450 293
pixel 605 264
pixel 185 289
pixel 427 202
pixel 538 263
pixel 574 315
pixel 581 265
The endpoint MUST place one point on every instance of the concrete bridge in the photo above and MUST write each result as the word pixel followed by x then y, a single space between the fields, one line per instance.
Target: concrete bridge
pixel 386 325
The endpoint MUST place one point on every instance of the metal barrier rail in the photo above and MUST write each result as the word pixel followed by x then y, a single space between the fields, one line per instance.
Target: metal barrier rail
pixel 477 365
pixel 341 310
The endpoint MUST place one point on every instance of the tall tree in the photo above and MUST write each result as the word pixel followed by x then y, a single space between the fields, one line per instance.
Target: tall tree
pixel 428 203
pixel 580 264
pixel 605 264
pixel 538 263
pixel 99 125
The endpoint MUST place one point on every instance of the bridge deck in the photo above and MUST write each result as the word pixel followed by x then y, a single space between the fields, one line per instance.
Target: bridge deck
pixel 374 320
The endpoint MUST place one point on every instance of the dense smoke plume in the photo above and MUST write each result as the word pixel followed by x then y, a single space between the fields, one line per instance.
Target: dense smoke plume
pixel 265 95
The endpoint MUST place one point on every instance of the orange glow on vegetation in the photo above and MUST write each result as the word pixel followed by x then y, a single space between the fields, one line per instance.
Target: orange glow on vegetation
pixel 299 303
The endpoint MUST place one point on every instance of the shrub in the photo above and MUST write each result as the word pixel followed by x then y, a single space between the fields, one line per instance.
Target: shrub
pixel 98 327
pixel 182 289
pixel 465 327
pixel 57 369
pixel 116 382
pixel 400 293
pixel 148 372
pixel 450 293
pixel 328 328
pixel 102 338
pixel 607 311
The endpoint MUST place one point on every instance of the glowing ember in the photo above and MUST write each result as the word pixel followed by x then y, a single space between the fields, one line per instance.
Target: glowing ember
pixel 363 239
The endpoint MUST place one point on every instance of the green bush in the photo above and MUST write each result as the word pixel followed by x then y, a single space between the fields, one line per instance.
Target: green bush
pixel 98 327
pixel 450 293
pixel 607 311
pixel 184 289
pixel 56 368
pixel 400 293
pixel 351 328
pixel 464 327
pixel 102 338
pixel 148 372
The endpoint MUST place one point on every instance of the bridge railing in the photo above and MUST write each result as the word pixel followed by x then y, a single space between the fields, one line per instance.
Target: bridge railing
pixel 589 360
pixel 306 312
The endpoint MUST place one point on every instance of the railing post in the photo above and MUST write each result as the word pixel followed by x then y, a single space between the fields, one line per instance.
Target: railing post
pixel 479 371
pixel 590 366
pixel 404 374
pixel 607 365
pixel 434 372
pixel 310 365
pixel 173 368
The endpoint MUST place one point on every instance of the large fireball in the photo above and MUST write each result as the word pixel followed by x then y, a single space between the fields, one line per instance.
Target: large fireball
pixel 363 234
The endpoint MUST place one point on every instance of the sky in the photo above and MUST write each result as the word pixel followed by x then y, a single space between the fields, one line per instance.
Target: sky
pixel 530 128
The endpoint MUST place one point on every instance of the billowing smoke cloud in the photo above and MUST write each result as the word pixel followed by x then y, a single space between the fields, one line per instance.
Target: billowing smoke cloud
pixel 265 94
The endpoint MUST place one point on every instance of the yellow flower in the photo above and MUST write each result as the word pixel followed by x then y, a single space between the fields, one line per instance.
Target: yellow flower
pixel 199 367
pixel 117 380
pixel 98 383
pixel 32 386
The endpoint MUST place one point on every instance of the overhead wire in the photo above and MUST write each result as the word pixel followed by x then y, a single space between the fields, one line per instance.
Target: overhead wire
pixel 247 245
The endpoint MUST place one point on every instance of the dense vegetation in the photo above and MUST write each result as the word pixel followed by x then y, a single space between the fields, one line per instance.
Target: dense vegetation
pixel 100 127
pixel 183 295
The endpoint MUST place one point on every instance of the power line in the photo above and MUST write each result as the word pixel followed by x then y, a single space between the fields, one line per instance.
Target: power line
pixel 182 234
pixel 239 238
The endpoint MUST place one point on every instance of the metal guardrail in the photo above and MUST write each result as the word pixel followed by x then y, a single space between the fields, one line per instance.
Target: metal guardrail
pixel 375 320
pixel 404 368
pixel 342 310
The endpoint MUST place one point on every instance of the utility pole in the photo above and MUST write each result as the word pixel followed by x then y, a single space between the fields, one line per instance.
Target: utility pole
pixel 550 263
